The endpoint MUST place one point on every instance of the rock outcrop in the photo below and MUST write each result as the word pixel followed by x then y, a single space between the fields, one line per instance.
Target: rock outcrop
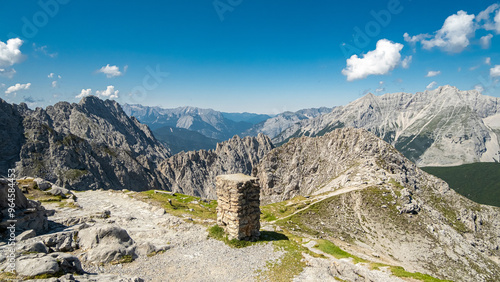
pixel 194 172
pixel 374 198
pixel 89 145
pixel 441 127
pixel 29 215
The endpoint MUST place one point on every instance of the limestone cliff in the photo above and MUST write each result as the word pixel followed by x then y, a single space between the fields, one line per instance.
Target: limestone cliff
pixel 89 145
pixel 194 172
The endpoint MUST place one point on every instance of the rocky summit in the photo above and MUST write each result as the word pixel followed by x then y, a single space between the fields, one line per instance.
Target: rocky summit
pixel 89 145
pixel 440 127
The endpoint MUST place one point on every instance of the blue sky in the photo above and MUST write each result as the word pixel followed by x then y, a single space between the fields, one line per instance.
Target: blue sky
pixel 242 55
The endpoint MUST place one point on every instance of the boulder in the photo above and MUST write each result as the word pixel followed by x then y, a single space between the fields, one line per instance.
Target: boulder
pixel 58 191
pixel 33 247
pixel 42 184
pixel 148 248
pixel 106 243
pixel 61 241
pixel 26 235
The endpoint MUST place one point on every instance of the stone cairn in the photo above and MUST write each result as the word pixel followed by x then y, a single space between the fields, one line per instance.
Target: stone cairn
pixel 238 210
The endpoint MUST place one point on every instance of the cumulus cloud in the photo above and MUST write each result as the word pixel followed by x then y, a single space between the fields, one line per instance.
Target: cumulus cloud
pixel 54 84
pixel 110 92
pixel 84 93
pixel 10 53
pixel 495 71
pixel 110 71
pixel 51 75
pixel 487 61
pixel 382 60
pixel 17 87
pixel 454 35
pixel 485 20
pixel 431 85
pixel 406 62
pixel 485 41
pixel 433 73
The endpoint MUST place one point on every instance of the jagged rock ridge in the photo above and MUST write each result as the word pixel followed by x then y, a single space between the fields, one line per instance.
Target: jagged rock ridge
pixel 89 145
pixel 378 201
pixel 441 127
pixel 194 172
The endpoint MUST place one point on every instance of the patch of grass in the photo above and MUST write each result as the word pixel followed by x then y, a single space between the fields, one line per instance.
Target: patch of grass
pixel 401 272
pixel 332 249
pixel 124 259
pixel 216 232
pixel 46 275
pixel 8 276
pixel 279 210
pixel 179 204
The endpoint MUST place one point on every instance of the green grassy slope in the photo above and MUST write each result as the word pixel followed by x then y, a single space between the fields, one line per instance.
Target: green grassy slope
pixel 479 182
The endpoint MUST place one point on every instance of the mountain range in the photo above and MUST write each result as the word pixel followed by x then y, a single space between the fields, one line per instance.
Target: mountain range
pixel 441 127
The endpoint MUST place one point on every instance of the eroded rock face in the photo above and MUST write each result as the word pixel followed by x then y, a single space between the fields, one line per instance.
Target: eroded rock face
pixel 194 172
pixel 89 145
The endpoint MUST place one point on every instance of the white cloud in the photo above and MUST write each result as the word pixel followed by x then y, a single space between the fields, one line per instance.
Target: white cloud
pixel 485 41
pixel 110 92
pixel 54 84
pixel 17 87
pixel 474 68
pixel 484 18
pixel 43 50
pixel 406 62
pixel 414 39
pixel 495 71
pixel 431 85
pixel 2 85
pixel 454 35
pixel 59 76
pixel 380 61
pixel 433 73
pixel 487 61
pixel 110 71
pixel 10 53
pixel 7 72
pixel 83 93
pixel 380 88
pixel 51 75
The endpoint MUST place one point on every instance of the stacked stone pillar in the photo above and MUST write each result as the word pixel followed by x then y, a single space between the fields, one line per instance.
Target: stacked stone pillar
pixel 238 210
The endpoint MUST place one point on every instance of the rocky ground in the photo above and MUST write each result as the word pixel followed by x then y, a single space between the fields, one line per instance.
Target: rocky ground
pixel 121 236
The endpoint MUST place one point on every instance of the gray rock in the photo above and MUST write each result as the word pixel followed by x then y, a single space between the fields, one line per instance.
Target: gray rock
pixel 106 243
pixel 33 247
pixel 58 191
pixel 26 235
pixel 42 184
pixel 148 248
pixel 62 241
pixel 194 172
pixel 37 264
pixel 89 145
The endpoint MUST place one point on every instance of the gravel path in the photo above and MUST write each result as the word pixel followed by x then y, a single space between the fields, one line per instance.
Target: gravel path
pixel 191 257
